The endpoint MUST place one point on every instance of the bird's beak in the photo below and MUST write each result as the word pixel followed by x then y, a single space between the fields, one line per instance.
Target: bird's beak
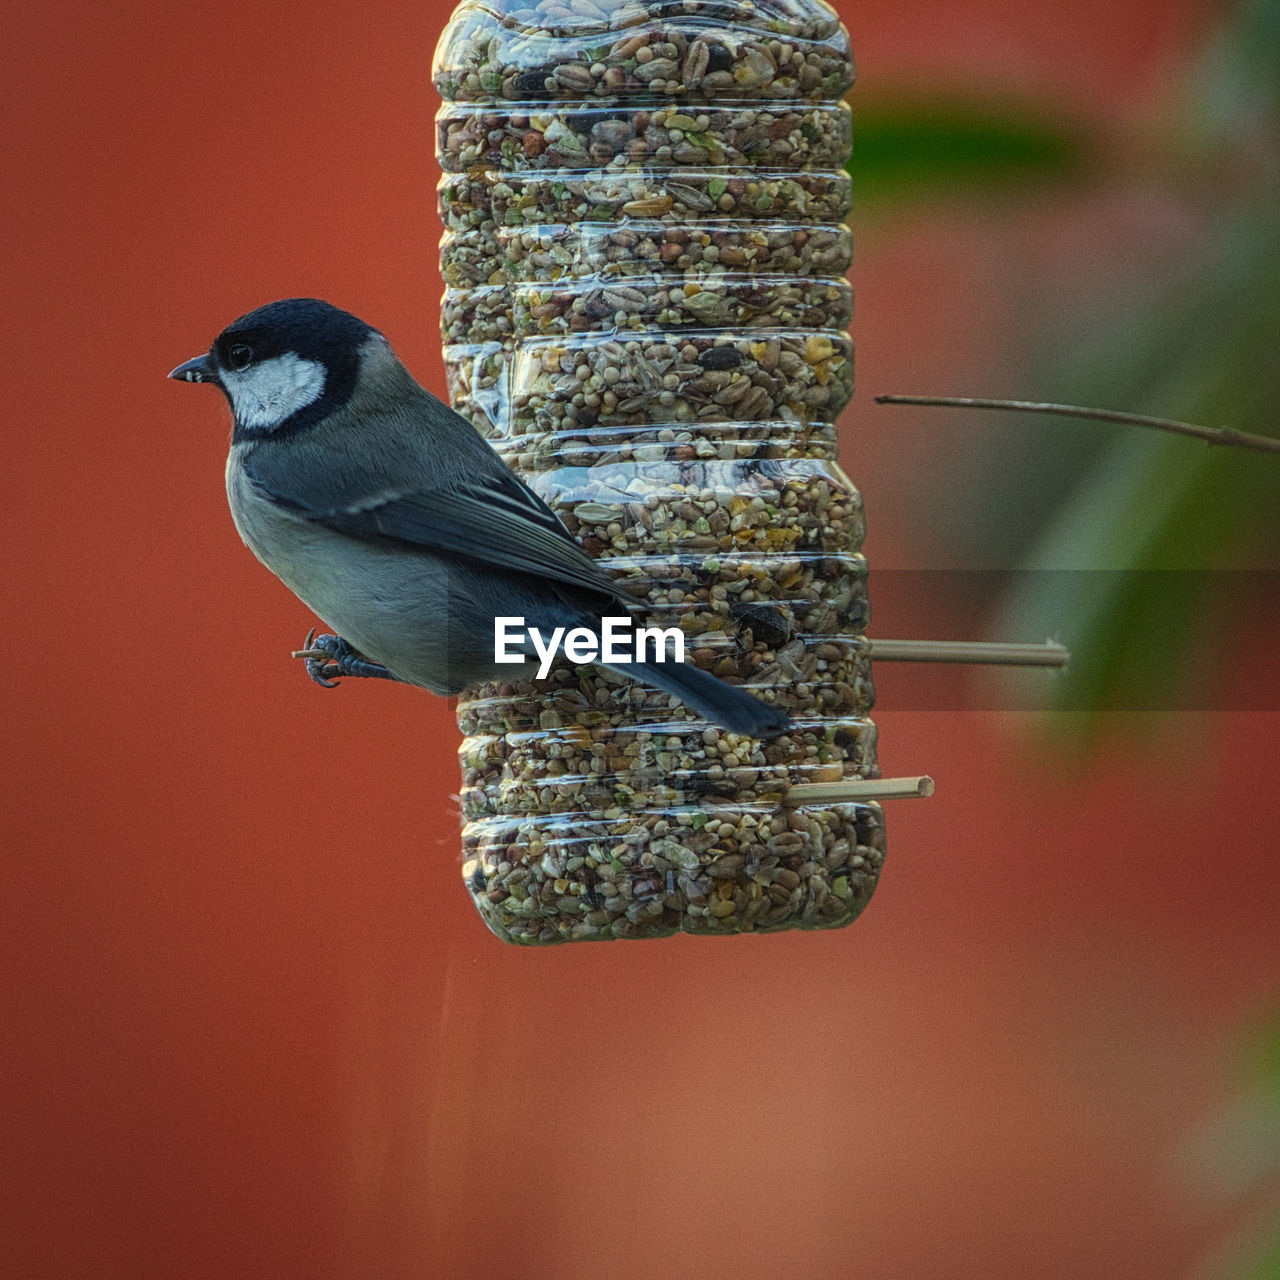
pixel 198 370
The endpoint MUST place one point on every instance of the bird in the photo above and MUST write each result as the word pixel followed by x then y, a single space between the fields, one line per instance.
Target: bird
pixel 387 514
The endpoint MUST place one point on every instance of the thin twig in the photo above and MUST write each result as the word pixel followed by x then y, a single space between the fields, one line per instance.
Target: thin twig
pixel 1210 435
pixel 858 790
pixel 991 653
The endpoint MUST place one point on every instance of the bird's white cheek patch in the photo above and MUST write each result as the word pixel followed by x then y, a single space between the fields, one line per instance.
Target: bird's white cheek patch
pixel 266 394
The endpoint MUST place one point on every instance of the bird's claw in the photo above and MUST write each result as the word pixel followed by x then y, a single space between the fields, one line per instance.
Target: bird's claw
pixel 323 658
pixel 328 658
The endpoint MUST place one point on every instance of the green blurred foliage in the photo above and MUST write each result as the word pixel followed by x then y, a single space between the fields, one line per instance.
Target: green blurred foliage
pixel 1203 346
pixel 1206 349
pixel 1265 1266
pixel 1262 1058
pixel 907 148
pixel 1142 504
pixel 1232 1161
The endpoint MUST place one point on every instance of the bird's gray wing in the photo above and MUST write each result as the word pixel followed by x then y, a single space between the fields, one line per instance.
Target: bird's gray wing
pixel 494 520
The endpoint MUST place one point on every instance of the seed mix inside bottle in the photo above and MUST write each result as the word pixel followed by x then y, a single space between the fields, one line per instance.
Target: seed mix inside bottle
pixel 645 313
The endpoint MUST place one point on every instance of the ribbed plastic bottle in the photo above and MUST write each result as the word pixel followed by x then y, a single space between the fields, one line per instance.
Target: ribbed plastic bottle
pixel 645 313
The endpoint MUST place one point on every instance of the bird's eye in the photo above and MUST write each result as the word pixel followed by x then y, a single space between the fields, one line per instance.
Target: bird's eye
pixel 240 356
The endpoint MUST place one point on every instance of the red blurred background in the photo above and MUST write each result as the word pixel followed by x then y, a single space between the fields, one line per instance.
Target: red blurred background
pixel 255 1027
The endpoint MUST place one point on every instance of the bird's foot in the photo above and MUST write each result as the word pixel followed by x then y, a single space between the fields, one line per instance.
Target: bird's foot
pixel 329 658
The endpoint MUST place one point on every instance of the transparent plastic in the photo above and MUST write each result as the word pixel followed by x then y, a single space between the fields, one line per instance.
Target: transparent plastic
pixel 645 314
pixel 673 49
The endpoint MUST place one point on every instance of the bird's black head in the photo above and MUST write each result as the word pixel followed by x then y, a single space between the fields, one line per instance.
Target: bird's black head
pixel 284 366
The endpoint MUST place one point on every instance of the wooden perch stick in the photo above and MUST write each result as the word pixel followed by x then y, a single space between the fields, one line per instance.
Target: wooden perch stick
pixel 1048 654
pixel 858 790
pixel 1210 435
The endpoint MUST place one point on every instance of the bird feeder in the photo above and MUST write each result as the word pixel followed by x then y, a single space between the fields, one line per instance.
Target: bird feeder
pixel 645 313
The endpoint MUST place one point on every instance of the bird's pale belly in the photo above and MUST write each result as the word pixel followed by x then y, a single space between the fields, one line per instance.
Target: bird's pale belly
pixel 416 614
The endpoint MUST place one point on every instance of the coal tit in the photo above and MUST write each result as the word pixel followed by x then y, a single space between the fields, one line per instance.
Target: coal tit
pixel 392 519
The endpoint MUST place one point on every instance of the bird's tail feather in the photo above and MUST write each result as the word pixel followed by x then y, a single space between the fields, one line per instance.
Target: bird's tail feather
pixel 727 705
